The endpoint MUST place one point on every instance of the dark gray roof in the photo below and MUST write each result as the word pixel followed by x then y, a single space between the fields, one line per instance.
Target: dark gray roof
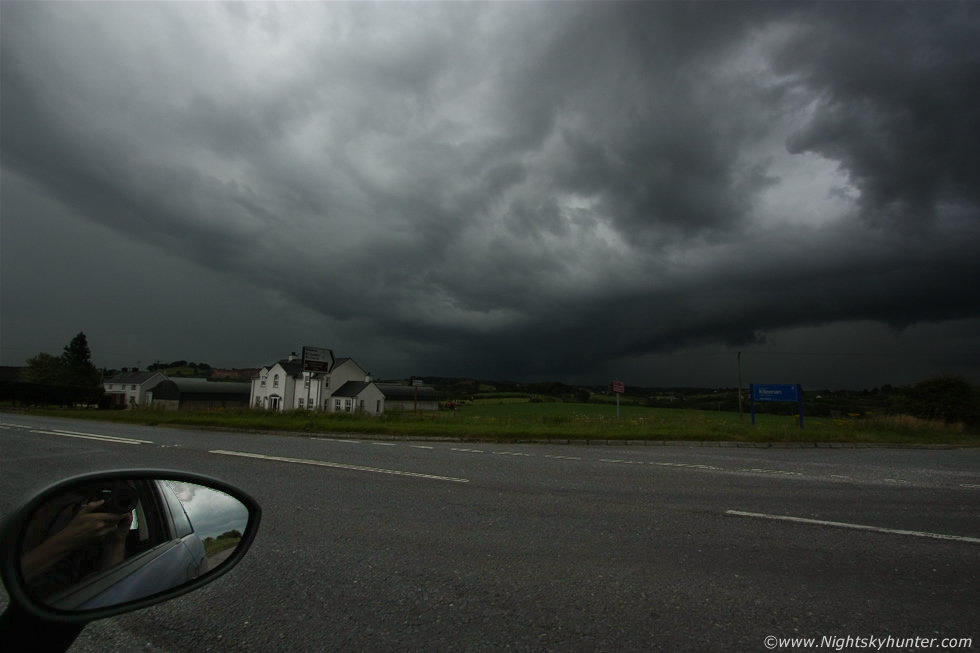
pixel 131 377
pixel 351 389
pixel 404 392
pixel 174 388
pixel 293 368
pixel 10 373
pixel 211 387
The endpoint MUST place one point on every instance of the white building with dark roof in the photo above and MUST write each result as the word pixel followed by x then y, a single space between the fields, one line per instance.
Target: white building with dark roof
pixel 129 388
pixel 345 388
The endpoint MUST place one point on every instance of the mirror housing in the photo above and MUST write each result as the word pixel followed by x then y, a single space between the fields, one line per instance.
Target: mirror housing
pixel 78 602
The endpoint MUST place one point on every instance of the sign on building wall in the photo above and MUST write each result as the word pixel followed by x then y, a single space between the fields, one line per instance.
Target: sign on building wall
pixel 316 359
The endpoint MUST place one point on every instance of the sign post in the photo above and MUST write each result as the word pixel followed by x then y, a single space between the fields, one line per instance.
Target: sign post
pixel 315 359
pixel 619 388
pixel 777 392
pixel 416 383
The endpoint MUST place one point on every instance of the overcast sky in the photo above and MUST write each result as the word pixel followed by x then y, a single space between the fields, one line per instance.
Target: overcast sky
pixel 522 191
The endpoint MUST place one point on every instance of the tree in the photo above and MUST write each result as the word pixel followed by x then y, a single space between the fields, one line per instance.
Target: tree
pixel 77 361
pixel 44 369
pixel 946 398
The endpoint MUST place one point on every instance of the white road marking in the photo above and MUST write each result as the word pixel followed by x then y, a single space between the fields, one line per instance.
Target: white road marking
pixel 419 446
pixel 965 485
pixel 468 450
pixel 860 527
pixel 894 480
pixel 773 471
pixel 356 468
pixel 510 453
pixel 686 465
pixel 838 476
pixel 385 444
pixel 563 457
pixel 93 436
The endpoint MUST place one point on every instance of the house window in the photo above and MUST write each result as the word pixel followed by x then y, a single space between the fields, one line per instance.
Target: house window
pixel 301 403
pixel 377 408
pixel 326 404
pixel 263 382
pixel 336 404
pixel 132 387
pixel 348 403
pixel 306 382
pixel 258 402
pixel 326 381
pixel 275 381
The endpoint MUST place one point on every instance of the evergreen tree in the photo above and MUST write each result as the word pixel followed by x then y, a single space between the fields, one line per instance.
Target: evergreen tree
pixel 77 362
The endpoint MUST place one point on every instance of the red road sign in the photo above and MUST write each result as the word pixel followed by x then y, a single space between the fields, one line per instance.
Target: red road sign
pixel 619 386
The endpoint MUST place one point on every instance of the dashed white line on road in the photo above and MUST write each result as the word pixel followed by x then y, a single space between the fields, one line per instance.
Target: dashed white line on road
pixel 356 468
pixel 563 457
pixel 385 444
pixel 860 527
pixel 966 485
pixel 894 480
pixel 419 446
pixel 468 450
pixel 510 453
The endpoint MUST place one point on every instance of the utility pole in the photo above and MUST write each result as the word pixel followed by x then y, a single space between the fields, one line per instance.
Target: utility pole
pixel 739 364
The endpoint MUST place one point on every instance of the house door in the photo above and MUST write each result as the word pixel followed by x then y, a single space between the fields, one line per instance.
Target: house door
pixel 275 401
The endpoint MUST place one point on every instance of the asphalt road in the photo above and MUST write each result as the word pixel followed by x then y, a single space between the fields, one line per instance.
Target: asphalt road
pixel 379 545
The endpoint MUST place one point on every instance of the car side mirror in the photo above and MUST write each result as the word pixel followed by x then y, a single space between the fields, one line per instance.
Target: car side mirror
pixel 99 545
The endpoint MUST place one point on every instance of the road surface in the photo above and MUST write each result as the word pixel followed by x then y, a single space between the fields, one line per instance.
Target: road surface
pixel 387 545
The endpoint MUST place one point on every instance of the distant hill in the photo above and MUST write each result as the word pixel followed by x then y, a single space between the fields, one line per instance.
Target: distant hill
pixel 244 374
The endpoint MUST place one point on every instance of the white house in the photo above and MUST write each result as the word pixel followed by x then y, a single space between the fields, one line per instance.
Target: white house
pixel 345 388
pixel 274 387
pixel 129 388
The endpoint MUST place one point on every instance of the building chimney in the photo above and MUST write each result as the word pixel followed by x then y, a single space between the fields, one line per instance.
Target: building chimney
pixel 292 356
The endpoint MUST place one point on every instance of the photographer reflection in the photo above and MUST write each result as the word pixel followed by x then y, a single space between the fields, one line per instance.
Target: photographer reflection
pixel 76 535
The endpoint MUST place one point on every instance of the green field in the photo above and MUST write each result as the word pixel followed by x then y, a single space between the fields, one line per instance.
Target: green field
pixel 506 420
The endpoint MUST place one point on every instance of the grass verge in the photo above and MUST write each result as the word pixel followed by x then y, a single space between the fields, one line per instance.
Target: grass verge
pixel 508 422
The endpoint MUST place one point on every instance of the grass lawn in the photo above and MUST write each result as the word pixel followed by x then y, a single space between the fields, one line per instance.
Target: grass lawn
pixel 508 421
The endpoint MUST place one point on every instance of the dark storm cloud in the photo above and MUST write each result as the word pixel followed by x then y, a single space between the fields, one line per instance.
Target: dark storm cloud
pixel 520 189
pixel 891 88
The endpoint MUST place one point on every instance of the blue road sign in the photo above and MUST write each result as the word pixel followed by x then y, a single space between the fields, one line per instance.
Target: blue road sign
pixel 775 392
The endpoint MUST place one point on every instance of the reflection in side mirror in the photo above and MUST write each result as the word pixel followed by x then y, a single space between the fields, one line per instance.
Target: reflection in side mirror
pixel 107 541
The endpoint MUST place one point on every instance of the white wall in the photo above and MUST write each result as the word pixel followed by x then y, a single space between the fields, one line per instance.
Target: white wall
pixel 134 396
pixel 285 389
